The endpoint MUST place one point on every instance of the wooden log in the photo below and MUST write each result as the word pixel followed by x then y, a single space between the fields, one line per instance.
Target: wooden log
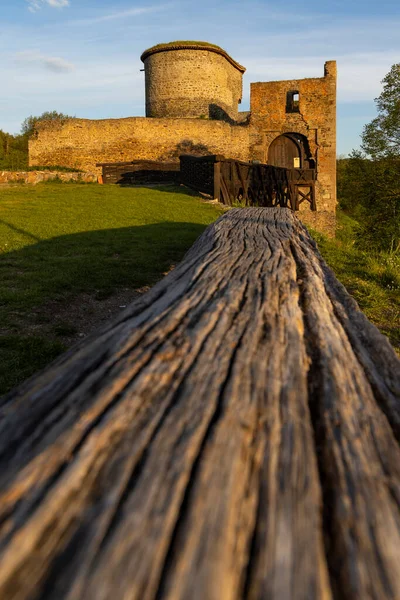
pixel 233 434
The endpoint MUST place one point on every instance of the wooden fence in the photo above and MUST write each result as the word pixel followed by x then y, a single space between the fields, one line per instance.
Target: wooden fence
pixel 250 184
pixel 231 181
pixel 140 171
pixel 232 434
pixel 198 172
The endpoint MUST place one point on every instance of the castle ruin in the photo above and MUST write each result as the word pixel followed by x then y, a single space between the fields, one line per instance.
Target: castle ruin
pixel 193 91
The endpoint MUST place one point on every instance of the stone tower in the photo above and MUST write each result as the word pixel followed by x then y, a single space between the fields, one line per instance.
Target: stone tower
pixel 294 125
pixel 191 79
pixel 193 90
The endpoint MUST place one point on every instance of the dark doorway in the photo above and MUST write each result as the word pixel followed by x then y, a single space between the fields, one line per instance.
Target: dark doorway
pixel 291 151
pixel 284 152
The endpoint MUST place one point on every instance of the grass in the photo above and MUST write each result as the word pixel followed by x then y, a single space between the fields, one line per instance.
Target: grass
pixel 59 244
pixel 62 245
pixel 183 42
pixel 373 279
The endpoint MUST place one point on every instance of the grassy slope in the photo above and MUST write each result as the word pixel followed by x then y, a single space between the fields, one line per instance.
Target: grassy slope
pixel 60 241
pixel 372 279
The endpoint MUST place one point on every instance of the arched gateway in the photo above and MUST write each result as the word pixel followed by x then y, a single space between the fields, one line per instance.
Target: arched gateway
pixel 291 151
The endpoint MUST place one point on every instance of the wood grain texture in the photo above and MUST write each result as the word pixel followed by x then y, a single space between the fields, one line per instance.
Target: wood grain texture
pixel 233 434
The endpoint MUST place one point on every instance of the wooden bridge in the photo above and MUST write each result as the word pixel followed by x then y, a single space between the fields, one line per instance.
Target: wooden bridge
pixel 228 180
pixel 233 434
pixel 248 183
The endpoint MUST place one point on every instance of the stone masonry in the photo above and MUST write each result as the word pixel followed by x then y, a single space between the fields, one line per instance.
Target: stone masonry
pixel 184 80
pixel 34 177
pixel 81 143
pixel 193 90
pixel 315 120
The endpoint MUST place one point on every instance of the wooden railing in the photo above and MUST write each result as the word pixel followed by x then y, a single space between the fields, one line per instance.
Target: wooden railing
pixel 198 172
pixel 302 187
pixel 253 184
pixel 140 171
pixel 233 434
pixel 230 181
pixel 250 184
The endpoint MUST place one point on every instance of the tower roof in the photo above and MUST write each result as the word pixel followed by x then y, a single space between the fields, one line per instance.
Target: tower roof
pixel 191 45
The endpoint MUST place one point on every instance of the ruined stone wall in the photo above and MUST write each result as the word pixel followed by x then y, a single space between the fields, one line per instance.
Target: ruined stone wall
pixel 34 177
pixel 192 83
pixel 316 120
pixel 81 143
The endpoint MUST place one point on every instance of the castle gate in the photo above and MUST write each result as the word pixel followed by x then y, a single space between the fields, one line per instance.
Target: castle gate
pixel 292 151
pixel 284 152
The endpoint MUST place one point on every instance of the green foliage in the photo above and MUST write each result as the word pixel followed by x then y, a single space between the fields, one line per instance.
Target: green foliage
pixel 381 137
pixel 29 124
pixel 13 152
pixel 370 190
pixel 14 148
pixel 369 181
pixel 183 43
pixel 371 277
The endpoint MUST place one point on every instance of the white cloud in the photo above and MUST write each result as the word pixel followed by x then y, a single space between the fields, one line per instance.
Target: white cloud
pixel 35 5
pixel 122 14
pixel 359 74
pixel 52 63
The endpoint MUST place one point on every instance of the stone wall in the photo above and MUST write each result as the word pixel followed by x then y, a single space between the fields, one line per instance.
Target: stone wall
pixel 316 120
pixel 183 80
pixel 34 177
pixel 191 82
pixel 81 143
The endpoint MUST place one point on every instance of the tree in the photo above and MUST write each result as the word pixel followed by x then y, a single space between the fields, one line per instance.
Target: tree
pixel 381 137
pixel 375 188
pixel 13 152
pixel 28 125
pixel 14 148
pixel 370 180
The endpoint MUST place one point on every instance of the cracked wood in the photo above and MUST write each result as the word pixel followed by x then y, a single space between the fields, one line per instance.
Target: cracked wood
pixel 233 434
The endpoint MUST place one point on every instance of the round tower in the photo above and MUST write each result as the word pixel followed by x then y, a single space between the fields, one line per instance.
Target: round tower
pixel 191 79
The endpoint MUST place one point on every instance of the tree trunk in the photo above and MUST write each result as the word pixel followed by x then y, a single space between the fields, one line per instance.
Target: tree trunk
pixel 233 434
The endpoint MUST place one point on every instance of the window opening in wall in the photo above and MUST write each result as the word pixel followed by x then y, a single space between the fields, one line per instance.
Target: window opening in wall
pixel 292 102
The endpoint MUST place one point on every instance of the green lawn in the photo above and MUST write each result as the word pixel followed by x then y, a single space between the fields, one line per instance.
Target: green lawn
pixel 63 246
pixel 65 243
pixel 372 278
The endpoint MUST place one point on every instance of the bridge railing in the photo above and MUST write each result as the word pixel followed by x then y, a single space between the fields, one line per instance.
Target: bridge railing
pixel 250 184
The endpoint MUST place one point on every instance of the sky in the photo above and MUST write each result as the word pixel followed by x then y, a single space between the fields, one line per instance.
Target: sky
pixel 82 57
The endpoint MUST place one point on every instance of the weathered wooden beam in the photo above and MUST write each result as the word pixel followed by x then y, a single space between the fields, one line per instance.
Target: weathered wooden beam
pixel 233 434
pixel 217 180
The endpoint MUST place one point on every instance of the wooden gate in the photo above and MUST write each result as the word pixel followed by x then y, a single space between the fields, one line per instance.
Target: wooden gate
pixel 302 187
pixel 252 184
pixel 249 184
pixel 284 152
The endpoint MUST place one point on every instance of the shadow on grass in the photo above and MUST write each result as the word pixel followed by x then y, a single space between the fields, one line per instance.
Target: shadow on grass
pixel 60 269
pixel 171 188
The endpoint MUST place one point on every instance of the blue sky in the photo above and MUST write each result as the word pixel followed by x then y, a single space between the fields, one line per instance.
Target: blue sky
pixel 82 57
